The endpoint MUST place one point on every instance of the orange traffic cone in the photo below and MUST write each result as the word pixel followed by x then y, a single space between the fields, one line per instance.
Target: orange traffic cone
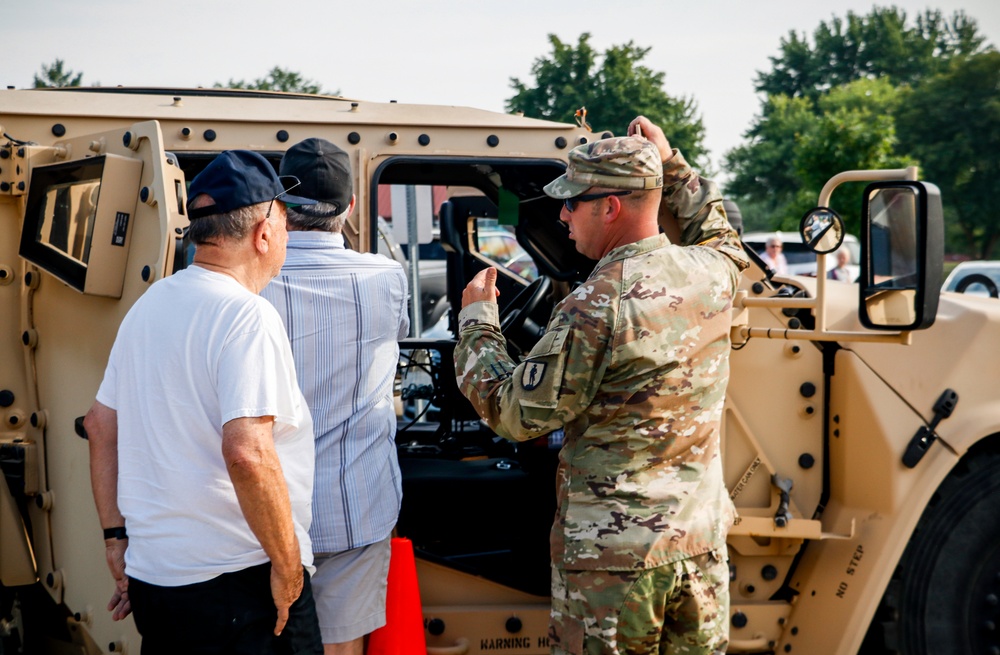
pixel 403 632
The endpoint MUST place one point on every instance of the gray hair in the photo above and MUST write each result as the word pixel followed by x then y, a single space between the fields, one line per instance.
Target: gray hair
pixel 324 216
pixel 234 225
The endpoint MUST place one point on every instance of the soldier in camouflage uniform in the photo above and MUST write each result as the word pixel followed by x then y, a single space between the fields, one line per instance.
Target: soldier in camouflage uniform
pixel 633 366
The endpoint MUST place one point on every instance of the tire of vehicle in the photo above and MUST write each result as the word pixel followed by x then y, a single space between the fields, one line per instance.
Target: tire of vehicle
pixel 977 278
pixel 945 593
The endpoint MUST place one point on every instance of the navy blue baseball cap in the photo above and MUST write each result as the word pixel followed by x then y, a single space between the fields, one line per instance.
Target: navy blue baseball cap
pixel 240 178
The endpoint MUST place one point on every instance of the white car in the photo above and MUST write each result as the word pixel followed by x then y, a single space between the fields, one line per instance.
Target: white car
pixel 978 278
pixel 801 260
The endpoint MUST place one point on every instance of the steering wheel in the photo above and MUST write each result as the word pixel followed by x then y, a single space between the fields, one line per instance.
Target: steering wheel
pixel 977 278
pixel 515 324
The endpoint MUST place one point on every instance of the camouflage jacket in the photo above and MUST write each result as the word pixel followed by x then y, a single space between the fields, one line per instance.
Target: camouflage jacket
pixel 633 366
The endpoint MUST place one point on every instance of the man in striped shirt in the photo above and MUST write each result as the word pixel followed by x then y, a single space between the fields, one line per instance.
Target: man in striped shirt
pixel 344 312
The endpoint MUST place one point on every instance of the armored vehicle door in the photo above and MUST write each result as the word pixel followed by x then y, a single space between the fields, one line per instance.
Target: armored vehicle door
pixel 99 219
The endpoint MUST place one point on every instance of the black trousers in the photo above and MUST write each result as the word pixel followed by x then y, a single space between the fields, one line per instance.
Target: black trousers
pixel 232 614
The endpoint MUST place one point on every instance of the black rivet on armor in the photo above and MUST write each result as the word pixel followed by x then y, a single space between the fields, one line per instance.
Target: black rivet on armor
pixel 560 142
pixel 795 630
pixel 185 131
pixel 788 648
pixel 59 129
pixel 3 274
pixel 25 338
pixel 583 140
pixel 144 193
pixel 354 138
pixel 27 278
pixel 20 153
pixel 740 620
pixel 810 410
pixel 111 647
pixel 178 231
pixel 126 139
pixel 794 323
pixel 6 398
pixel 757 288
pixel 282 136
pixel 750 588
pixel 806 460
pixel 836 418
pixel 807 389
pixel 423 139
pixel 796 349
pixel 607 135
pixel 12 420
pixel 781 620
pixel 209 135
pixel 34 419
pixel 493 140
pixel 513 625
pixel 50 579
pixel 20 186
pixel 4 154
pixel 4 186
pixel 393 136
pixel 836 433
pixel 435 627
pixel 147 272
pixel 769 572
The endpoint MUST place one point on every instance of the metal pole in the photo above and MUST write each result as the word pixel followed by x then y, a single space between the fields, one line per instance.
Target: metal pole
pixel 413 250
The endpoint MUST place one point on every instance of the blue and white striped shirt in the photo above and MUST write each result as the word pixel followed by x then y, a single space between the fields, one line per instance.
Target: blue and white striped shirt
pixel 345 312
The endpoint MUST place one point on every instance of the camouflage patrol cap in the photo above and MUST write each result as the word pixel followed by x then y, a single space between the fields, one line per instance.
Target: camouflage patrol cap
pixel 627 162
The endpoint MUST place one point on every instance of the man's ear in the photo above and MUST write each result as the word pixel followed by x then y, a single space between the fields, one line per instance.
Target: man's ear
pixel 350 207
pixel 613 209
pixel 263 233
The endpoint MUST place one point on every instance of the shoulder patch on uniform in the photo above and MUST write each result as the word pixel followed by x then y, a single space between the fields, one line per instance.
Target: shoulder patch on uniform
pixel 532 375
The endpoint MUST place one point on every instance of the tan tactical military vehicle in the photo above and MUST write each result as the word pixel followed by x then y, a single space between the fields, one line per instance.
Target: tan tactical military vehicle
pixel 860 435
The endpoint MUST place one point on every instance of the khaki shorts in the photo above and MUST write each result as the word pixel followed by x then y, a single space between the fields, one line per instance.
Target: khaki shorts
pixel 676 608
pixel 349 588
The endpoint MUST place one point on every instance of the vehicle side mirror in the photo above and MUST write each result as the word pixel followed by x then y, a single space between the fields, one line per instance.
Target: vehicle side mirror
pixel 902 252
pixel 822 230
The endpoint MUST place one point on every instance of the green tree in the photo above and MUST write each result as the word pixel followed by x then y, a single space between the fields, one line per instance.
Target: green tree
pixel 613 86
pixel 278 79
pixel 952 124
pixel 56 75
pixel 799 143
pixel 881 43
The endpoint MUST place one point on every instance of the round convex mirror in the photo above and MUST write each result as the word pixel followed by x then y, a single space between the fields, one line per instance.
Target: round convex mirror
pixel 822 230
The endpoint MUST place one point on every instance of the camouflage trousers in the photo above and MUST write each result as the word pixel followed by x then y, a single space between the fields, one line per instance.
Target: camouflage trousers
pixel 676 608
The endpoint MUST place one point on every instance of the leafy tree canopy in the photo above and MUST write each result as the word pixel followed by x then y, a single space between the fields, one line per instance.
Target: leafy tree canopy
pixel 952 124
pixel 613 86
pixel 881 43
pixel 278 79
pixel 56 75
pixel 800 143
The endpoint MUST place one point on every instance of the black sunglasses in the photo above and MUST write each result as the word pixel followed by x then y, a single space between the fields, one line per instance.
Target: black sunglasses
pixel 570 203
pixel 283 177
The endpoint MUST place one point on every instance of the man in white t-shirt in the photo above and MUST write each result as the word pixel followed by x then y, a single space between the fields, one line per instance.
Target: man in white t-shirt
pixel 201 444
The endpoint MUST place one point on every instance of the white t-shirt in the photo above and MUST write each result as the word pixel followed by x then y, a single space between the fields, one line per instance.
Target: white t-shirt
pixel 196 351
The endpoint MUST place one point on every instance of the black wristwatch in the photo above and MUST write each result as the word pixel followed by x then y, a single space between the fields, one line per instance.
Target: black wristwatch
pixel 115 533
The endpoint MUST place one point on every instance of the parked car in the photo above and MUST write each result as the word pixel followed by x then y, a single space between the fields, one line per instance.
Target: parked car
pixel 980 278
pixel 801 260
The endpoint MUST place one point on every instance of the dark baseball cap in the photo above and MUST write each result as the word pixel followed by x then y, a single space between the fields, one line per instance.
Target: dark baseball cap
pixel 240 178
pixel 323 168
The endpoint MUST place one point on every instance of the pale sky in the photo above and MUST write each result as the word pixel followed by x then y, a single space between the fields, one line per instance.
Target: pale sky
pixel 451 52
